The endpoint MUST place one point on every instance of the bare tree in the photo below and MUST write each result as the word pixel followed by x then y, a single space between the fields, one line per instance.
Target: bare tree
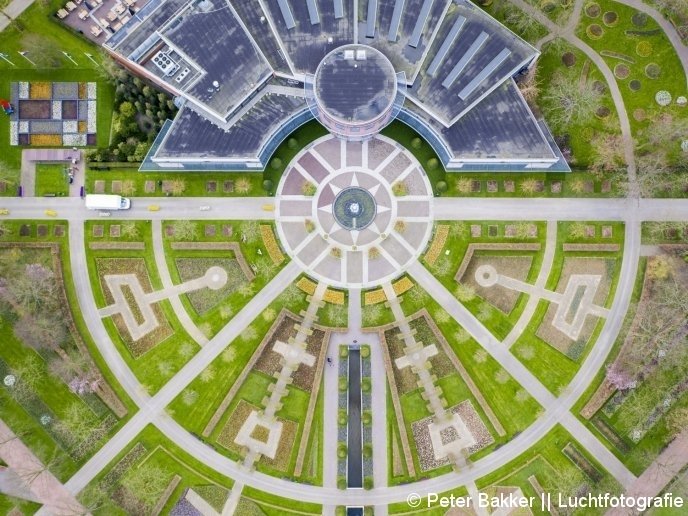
pixel 185 229
pixel 608 153
pixel 571 102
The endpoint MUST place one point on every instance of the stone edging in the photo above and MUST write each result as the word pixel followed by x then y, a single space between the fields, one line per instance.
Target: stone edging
pixel 501 246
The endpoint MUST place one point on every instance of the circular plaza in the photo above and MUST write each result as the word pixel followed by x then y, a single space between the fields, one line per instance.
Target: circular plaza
pixel 354 214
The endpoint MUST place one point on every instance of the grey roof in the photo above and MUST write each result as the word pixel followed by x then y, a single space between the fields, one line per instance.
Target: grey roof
pixel 217 42
pixel 401 24
pixel 501 126
pixel 307 42
pixel 193 136
pixel 482 55
pixel 354 89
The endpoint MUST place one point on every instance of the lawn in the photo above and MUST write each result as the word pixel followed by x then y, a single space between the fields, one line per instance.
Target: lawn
pixel 160 363
pixel 40 34
pixel 554 369
pixel 446 266
pixel 51 179
pixel 628 56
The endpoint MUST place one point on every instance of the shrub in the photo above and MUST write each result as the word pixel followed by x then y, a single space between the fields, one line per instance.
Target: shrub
pixel 432 163
pixel 276 163
pixel 366 385
pixel 342 418
pixel 602 112
pixel 341 483
pixel 367 451
pixel 368 483
pixel 416 143
pixel 441 186
pixel 365 351
pixel 343 384
pixel 663 98
pixel 267 185
pixel 367 417
pixel 341 451
pixel 343 352
pixel 399 188
pixel 292 143
pixel 569 59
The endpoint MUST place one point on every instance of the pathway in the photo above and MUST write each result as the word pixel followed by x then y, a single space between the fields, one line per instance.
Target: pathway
pixel 659 474
pixel 543 274
pixel 568 33
pixel 667 27
pixel 520 373
pixel 177 306
pixel 12 11
pixel 42 483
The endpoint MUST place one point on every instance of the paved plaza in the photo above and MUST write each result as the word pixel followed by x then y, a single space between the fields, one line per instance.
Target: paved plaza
pixel 391 223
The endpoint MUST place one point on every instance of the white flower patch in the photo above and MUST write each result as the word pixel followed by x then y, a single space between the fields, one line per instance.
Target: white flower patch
pixel 57 110
pixel 14 133
pixel 681 101
pixel 23 126
pixel 92 91
pixel 74 140
pixel 91 120
pixel 23 90
pixel 684 145
pixel 70 126
pixel 10 380
pixel 663 98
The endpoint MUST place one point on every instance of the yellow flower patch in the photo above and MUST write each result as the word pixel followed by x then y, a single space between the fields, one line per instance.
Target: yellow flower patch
pixel 53 140
pixel 40 90
pixel 437 244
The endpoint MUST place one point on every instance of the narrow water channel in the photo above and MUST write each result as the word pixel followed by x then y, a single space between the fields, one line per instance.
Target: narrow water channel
pixel 354 463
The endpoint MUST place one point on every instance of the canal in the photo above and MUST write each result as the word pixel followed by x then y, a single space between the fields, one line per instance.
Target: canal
pixel 354 463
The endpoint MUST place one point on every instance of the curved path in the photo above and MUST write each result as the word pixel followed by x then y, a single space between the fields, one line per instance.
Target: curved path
pixel 152 408
pixel 667 27
pixel 569 34
pixel 177 306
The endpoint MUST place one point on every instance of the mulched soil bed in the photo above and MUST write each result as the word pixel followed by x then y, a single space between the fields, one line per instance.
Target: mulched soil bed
pixel 516 267
pixel 610 18
pixel 594 31
pixel 593 10
pixel 269 360
pixel 599 86
pixel 577 265
pixel 35 110
pixel 635 85
pixel 469 416
pixel 69 110
pixel 602 112
pixel 639 19
pixel 621 71
pixel 653 71
pixel 569 59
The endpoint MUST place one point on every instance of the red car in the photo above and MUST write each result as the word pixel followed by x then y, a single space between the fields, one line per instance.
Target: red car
pixel 6 106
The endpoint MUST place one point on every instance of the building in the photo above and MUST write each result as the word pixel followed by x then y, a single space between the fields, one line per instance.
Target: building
pixel 247 73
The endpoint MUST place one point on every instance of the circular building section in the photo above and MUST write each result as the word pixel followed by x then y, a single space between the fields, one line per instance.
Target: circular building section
pixel 354 88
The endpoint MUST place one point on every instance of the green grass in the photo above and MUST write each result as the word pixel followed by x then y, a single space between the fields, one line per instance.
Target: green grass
pixel 253 251
pixel 51 179
pixel 159 364
pixel 446 266
pixel 580 134
pixel 34 31
pixel 195 182
pixel 615 39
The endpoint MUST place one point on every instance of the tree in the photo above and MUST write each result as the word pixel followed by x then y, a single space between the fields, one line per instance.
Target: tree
pixel 529 86
pixel 177 186
pixel 130 229
pixel 242 185
pixel 608 153
pixel 45 331
pixel 571 102
pixel 146 483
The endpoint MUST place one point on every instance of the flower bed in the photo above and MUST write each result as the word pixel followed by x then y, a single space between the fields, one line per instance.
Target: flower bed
pixel 569 59
pixel 594 31
pixel 610 18
pixel 403 285
pixel 335 297
pixel 592 10
pixel 271 245
pixel 643 49
pixel 653 71
pixel 437 244
pixel 617 55
pixel 373 297
pixel 635 85
pixel 306 285
pixel 40 90
pixel 621 71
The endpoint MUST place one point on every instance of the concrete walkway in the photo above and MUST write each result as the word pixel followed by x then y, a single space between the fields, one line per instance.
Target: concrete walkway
pixel 43 485
pixel 568 33
pixel 177 306
pixel 661 472
pixel 667 27
pixel 543 274
pixel 12 11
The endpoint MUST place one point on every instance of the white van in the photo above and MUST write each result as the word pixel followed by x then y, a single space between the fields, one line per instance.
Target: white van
pixel 107 202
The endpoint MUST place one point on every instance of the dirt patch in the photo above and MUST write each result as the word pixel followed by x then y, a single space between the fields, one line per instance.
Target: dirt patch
pixel 602 112
pixel 610 18
pixel 569 59
pixel 516 267
pixel 592 10
pixel 622 71
pixel 35 110
pixel 594 31
pixel 635 85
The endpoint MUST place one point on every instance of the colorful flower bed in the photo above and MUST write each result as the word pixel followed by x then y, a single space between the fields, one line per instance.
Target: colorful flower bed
pixel 69 106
